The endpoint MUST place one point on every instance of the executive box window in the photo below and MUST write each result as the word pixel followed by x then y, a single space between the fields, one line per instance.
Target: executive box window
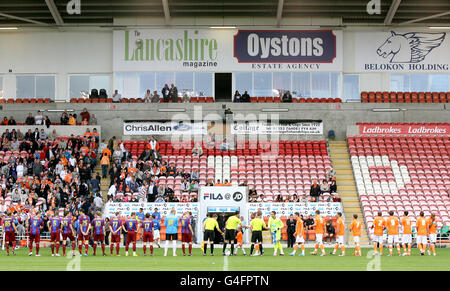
pixel 34 86
pixel 420 82
pixel 1 87
pixel 351 87
pixel 85 83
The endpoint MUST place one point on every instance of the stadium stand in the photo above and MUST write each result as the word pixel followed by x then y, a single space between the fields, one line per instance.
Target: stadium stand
pixel 405 97
pixel 402 173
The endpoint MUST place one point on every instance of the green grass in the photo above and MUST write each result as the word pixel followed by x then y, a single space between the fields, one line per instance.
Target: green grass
pixel 198 262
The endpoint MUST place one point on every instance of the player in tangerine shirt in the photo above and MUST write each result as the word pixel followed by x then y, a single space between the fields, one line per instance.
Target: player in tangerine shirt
pixel 422 231
pixel 392 226
pixel 379 224
pixel 432 233
pixel 319 226
pixel 299 235
pixel 340 235
pixel 355 228
pixel 407 230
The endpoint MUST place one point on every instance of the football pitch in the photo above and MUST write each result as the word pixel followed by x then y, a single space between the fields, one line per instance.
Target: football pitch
pixel 22 262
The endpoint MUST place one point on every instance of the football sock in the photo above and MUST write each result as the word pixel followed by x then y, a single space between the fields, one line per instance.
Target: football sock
pixel 190 248
pixel 251 249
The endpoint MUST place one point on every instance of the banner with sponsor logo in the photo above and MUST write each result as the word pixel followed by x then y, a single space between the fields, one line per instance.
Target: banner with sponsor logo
pixel 286 209
pixel 125 208
pixel 402 51
pixel 214 50
pixel 163 128
pixel 264 128
pixel 405 129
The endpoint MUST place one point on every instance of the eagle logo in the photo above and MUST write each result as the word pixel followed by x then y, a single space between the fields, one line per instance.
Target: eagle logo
pixel 411 47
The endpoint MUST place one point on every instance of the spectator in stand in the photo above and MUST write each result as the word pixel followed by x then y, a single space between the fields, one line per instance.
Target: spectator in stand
pixel 72 120
pixel 12 121
pixel 105 163
pixel 155 97
pixel 52 135
pixel 64 118
pixel 245 97
pixel 197 151
pixel 153 144
pixel 209 183
pixel 42 135
pixel 173 93
pixel 195 176
pixel 185 98
pixel 287 97
pixel 85 115
pixel 38 119
pixel 93 120
pixel 116 96
pixel 165 93
pixel 5 121
pixel 324 187
pixel 30 120
pixel 47 121
pixel 237 96
pixel 333 186
pixel 185 186
pixel 309 222
pixel 331 173
pixel 314 192
pixel 148 96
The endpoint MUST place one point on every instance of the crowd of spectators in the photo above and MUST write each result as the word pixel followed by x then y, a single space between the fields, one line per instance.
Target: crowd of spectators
pixel 85 118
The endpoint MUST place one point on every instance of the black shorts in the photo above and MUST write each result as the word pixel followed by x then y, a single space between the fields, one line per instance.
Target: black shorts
pixel 230 234
pixel 256 236
pixel 171 236
pixel 209 234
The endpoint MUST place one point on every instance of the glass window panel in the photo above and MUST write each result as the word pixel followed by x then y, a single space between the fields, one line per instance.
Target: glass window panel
pixel 78 84
pixel 400 82
pixel 243 82
pixel 184 82
pixel 262 84
pixel 25 87
pixel 100 82
pixel 203 84
pixel 282 82
pixel 45 87
pixel 1 87
pixel 419 83
pixel 146 82
pixel 301 84
pixel 335 85
pixel 320 84
pixel 351 87
pixel 163 78
pixel 127 84
pixel 439 83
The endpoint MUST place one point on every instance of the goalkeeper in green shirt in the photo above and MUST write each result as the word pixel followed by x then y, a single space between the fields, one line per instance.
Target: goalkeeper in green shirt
pixel 276 225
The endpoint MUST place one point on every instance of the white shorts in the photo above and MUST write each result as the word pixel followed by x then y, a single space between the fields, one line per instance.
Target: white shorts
pixel 433 238
pixel 421 239
pixel 406 238
pixel 340 239
pixel 319 238
pixel 156 234
pixel 356 239
pixel 378 239
pixel 299 239
pixel 393 238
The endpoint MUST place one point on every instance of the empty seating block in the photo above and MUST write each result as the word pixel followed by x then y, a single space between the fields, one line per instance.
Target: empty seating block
pixel 405 97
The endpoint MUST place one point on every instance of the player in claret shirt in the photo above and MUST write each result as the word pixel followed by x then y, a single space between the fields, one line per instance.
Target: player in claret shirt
pixel 132 227
pixel 186 233
pixel 147 225
pixel 98 225
pixel 115 226
pixel 67 231
pixel 54 224
pixel 84 226
pixel 9 227
pixel 36 224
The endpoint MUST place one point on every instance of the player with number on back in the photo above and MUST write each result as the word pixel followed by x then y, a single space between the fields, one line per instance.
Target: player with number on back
pixel 147 226
pixel 392 226
pixel 299 235
pixel 171 223
pixel 432 233
pixel 379 224
pixel 340 235
pixel 407 231
pixel 355 228
pixel 84 226
pixel 132 228
pixel 54 224
pixel 422 231
pixel 99 232
pixel 67 231
pixel 9 228
pixel 36 224
pixel 115 226
pixel 319 227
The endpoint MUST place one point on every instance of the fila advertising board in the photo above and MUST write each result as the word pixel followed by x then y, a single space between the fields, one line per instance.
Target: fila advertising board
pixel 402 51
pixel 226 50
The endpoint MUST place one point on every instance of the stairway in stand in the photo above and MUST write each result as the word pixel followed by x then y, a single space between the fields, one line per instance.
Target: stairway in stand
pixel 346 187
pixel 105 182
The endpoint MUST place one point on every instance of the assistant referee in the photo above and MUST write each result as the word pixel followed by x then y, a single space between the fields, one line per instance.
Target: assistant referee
pixel 208 236
pixel 230 232
pixel 256 227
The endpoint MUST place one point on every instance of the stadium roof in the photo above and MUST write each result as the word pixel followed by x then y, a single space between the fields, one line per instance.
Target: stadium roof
pixel 103 12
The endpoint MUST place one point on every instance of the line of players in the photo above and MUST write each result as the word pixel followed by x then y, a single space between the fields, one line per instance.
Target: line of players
pixel 65 227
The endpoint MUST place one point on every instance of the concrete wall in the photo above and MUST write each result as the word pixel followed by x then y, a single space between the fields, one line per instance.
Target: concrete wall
pixel 334 115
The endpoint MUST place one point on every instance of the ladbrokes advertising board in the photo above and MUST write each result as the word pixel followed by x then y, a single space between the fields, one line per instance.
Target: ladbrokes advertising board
pixel 405 129
pixel 227 50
